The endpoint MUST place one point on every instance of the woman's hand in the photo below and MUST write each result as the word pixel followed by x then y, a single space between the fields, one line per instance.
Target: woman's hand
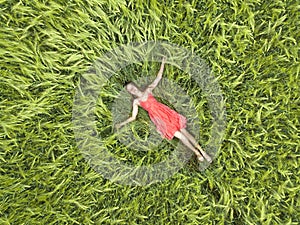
pixel 158 77
pixel 118 126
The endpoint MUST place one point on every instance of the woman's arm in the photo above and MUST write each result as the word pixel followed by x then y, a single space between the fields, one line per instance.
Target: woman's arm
pixel 158 78
pixel 135 109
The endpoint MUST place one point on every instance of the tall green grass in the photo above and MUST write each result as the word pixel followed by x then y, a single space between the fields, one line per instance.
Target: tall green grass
pixel 253 50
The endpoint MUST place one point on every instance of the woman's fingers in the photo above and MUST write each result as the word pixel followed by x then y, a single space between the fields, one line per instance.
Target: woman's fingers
pixel 118 126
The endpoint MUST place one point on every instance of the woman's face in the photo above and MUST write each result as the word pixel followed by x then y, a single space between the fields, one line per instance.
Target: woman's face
pixel 132 89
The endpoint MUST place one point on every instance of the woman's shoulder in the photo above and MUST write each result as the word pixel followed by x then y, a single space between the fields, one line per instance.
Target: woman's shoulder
pixel 144 98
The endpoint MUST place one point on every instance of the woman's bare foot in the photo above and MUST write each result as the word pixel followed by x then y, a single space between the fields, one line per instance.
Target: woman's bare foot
pixel 204 154
pixel 200 158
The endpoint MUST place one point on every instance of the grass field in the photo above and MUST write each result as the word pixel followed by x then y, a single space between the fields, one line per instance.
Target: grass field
pixel 252 48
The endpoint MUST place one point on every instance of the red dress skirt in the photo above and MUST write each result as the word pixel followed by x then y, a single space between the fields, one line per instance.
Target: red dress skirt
pixel 166 120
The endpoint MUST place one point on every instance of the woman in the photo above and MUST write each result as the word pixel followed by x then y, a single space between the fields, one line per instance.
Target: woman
pixel 168 122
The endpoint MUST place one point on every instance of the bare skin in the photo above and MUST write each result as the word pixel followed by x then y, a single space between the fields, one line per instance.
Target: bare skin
pixel 183 135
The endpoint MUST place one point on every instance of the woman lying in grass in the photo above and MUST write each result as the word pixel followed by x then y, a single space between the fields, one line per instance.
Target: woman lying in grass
pixel 168 122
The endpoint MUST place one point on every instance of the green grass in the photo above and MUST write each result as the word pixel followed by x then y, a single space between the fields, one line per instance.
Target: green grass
pixel 253 50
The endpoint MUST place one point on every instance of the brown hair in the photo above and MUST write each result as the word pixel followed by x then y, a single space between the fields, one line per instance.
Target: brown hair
pixel 132 83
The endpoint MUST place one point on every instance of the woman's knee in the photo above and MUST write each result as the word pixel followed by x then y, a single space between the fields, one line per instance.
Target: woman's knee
pixel 179 135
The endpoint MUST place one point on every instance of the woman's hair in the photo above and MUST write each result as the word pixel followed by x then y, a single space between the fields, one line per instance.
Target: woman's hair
pixel 141 88
pixel 132 83
pixel 126 83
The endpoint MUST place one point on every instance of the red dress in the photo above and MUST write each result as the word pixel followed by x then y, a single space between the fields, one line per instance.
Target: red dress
pixel 166 120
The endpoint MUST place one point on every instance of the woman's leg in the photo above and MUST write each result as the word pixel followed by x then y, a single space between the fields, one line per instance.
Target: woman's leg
pixel 195 143
pixel 186 142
